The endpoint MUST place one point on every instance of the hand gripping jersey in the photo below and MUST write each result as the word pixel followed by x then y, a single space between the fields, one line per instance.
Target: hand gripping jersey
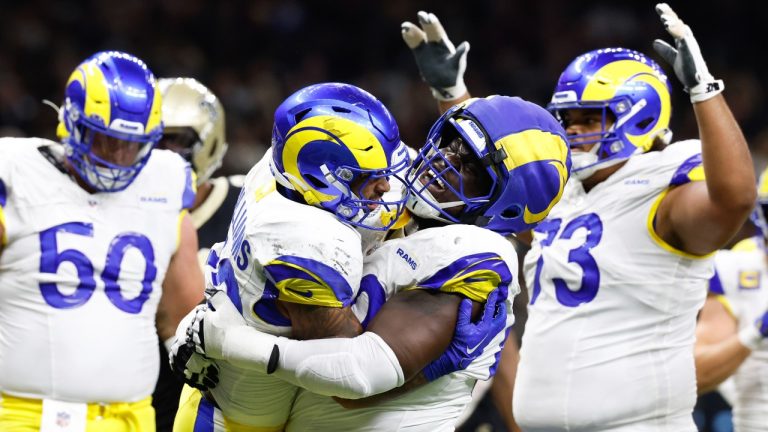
pixel 741 283
pixel 81 275
pixel 277 249
pixel 608 344
pixel 461 259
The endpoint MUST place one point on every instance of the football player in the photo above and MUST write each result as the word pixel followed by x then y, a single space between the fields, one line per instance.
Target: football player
pixel 490 166
pixel 292 259
pixel 616 272
pixel 732 330
pixel 98 256
pixel 194 127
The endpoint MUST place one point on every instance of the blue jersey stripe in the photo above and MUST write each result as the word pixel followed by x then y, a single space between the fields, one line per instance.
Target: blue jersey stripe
pixel 715 285
pixel 3 194
pixel 481 263
pixel 188 197
pixel 681 175
pixel 291 267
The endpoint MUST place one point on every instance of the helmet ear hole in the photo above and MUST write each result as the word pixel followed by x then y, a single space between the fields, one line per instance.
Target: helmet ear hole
pixel 644 123
pixel 512 212
pixel 314 181
pixel 301 114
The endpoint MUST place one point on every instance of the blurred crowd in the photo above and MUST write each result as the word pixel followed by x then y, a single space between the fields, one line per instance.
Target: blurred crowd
pixel 254 53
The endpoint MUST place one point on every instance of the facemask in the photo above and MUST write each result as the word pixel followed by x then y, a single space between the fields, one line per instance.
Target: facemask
pixel 584 163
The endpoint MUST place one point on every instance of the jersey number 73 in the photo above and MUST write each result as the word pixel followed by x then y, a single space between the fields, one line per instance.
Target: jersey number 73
pixel 590 279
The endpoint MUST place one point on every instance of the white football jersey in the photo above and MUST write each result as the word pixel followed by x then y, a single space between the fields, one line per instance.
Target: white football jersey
pixel 277 249
pixel 81 275
pixel 608 344
pixel 741 278
pixel 460 259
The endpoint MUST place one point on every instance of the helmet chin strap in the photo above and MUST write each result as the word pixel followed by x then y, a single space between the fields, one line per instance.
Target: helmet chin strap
pixel 585 164
pixel 588 160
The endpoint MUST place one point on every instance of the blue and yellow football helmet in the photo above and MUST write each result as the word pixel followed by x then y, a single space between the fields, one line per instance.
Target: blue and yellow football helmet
pixel 329 136
pixel 625 84
pixel 114 94
pixel 522 148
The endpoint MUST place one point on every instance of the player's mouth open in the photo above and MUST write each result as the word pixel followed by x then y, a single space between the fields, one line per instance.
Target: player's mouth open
pixel 434 184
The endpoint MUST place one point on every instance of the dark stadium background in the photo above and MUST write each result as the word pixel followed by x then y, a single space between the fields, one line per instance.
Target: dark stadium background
pixel 254 53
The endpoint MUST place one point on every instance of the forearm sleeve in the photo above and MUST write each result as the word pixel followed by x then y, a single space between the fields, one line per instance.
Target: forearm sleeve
pixel 348 368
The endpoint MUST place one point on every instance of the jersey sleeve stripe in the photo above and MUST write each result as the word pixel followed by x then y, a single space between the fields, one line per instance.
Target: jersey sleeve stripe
pixel 306 281
pixel 715 285
pixel 723 300
pixel 689 171
pixel 473 276
pixel 3 200
pixel 660 241
pixel 3 193
pixel 750 244
pixel 4 239
pixel 178 228
pixel 190 188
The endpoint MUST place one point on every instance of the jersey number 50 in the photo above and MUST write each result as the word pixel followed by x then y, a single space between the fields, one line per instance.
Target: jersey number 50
pixel 590 279
pixel 51 258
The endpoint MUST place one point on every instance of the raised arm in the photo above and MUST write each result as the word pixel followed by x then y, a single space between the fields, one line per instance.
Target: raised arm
pixel 440 64
pixel 700 217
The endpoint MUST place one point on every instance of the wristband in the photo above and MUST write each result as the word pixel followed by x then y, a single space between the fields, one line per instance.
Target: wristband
pixel 750 337
pixel 706 90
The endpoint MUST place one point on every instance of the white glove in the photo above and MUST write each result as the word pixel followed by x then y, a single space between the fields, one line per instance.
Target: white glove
pixel 441 65
pixel 219 331
pixel 686 60
pixel 211 322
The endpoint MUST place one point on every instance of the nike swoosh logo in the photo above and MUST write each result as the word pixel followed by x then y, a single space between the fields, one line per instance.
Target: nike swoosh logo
pixel 307 293
pixel 472 349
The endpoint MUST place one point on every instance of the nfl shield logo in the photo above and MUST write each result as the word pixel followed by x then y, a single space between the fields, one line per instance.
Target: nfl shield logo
pixel 62 419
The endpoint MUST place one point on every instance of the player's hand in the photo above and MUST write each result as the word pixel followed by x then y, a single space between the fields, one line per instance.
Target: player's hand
pixel 193 368
pixel 755 335
pixel 470 339
pixel 210 323
pixel 441 64
pixel 686 60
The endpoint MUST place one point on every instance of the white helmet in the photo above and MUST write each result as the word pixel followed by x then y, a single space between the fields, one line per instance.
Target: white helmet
pixel 194 124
